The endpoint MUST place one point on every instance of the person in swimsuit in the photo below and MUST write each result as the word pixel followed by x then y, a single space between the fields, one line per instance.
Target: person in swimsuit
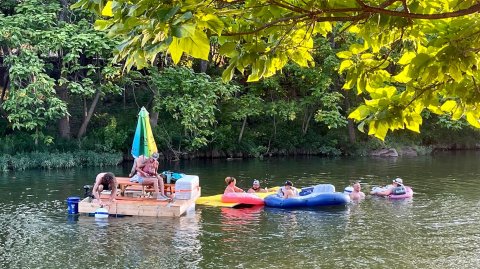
pixel 256 187
pixel 357 193
pixel 288 190
pixel 398 182
pixel 146 169
pixel 105 181
pixel 231 188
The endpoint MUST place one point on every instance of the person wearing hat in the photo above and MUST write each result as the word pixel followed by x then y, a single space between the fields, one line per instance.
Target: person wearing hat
pixel 288 191
pixel 146 174
pixel 256 187
pixel 398 182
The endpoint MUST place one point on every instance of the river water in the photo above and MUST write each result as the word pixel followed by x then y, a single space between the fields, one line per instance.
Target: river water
pixel 438 228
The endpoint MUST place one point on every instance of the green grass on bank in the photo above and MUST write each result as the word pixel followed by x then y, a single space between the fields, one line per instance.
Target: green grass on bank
pixel 46 160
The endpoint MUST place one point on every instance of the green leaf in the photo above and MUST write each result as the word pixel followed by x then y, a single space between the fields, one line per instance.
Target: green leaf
pixel 101 25
pixel 185 16
pixel 344 54
pixel 213 23
pixel 407 58
pixel 455 73
pixel 183 30
pixel 472 118
pixel 360 113
pixel 175 50
pixel 227 74
pixel 228 49
pixel 413 125
pixel 448 106
pixel 352 76
pixel 404 76
pixel 344 65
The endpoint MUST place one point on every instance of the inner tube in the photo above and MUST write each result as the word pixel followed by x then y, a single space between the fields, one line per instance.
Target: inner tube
pixel 242 198
pixel 309 200
pixel 407 194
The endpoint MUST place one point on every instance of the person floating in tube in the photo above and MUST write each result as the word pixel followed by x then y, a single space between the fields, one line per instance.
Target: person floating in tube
pixel 395 188
pixel 287 191
pixel 231 188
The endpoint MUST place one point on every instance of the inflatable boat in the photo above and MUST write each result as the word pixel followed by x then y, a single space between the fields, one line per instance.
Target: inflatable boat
pixel 319 195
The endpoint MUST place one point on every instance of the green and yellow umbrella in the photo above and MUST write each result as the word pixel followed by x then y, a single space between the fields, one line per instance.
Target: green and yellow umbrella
pixel 143 141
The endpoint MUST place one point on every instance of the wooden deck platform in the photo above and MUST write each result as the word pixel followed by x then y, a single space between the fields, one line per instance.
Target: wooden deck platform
pixel 140 206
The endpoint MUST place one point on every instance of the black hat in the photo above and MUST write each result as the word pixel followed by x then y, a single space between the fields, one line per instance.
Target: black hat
pixel 289 183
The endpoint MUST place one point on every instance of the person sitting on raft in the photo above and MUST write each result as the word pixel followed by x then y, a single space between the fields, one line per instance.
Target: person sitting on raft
pixel 256 187
pixel 103 182
pixel 398 182
pixel 147 174
pixel 357 194
pixel 288 191
pixel 231 188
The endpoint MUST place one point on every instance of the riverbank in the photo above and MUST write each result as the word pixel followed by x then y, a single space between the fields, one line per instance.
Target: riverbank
pixel 48 160
pixel 88 158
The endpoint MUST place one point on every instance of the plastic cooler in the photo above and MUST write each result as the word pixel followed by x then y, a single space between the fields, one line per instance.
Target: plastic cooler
pixel 186 187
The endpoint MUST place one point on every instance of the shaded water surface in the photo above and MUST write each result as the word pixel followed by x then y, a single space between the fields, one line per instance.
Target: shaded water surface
pixel 438 228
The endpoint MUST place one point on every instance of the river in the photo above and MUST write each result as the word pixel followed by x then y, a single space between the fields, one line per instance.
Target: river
pixel 438 228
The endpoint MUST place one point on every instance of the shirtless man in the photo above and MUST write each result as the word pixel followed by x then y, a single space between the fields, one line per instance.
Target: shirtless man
pixel 146 169
pixel 105 181
pixel 357 194
pixel 256 187
pixel 288 190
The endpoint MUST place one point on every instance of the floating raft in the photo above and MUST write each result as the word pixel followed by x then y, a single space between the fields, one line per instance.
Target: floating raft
pixel 140 206
pixel 216 200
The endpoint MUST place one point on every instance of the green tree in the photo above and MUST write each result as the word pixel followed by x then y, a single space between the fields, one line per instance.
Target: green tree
pixel 410 56
pixel 192 100
pixel 51 54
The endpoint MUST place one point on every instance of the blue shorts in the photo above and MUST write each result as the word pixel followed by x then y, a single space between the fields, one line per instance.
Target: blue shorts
pixel 137 179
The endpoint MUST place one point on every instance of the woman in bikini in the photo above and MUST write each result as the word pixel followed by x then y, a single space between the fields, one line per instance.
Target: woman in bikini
pixel 231 181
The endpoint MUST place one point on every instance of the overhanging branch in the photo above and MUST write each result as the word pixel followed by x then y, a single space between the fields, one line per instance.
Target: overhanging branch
pixel 351 14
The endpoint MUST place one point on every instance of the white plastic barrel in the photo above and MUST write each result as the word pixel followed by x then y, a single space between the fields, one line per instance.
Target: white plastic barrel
pixel 101 213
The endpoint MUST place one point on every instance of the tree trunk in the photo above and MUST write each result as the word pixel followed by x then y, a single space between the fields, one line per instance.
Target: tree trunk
pixel 242 130
pixel 351 131
pixel 203 66
pixel 154 119
pixel 64 123
pixel 350 125
pixel 4 87
pixel 83 128
pixel 307 122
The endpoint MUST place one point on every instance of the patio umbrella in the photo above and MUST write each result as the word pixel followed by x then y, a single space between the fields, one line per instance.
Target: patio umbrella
pixel 143 141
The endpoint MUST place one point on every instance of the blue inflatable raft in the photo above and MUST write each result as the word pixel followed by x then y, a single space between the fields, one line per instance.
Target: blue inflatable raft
pixel 319 195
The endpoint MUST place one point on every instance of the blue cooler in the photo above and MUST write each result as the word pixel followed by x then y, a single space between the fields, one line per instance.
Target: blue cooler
pixel 72 203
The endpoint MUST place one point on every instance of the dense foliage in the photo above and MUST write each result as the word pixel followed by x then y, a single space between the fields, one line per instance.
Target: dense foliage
pixel 64 85
pixel 408 56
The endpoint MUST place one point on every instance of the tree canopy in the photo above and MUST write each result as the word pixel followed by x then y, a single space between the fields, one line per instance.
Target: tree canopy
pixel 409 56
